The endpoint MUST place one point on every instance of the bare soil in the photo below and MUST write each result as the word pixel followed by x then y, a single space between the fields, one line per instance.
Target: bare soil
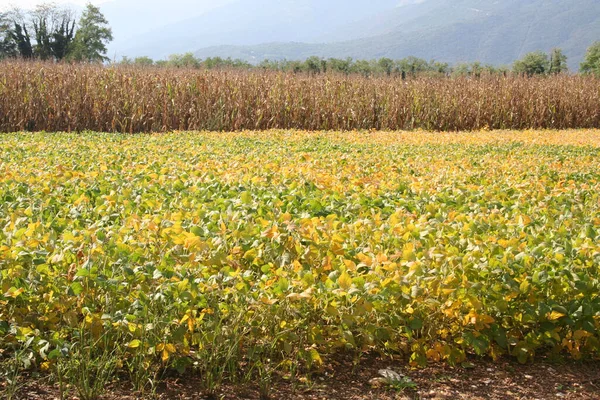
pixel 342 380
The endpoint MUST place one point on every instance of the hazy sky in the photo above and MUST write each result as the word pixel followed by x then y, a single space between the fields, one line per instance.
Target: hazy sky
pixel 5 4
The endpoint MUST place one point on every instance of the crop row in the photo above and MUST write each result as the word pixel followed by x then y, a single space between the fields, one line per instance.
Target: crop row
pixel 243 255
pixel 51 97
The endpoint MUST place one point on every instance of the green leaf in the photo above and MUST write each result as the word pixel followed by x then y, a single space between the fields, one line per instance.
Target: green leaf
pixel 246 197
pixel 76 288
pixel 415 324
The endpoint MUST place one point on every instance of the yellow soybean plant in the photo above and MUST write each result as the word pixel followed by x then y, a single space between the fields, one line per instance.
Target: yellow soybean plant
pixel 243 253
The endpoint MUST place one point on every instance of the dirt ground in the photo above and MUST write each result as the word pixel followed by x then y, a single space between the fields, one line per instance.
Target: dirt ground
pixel 341 380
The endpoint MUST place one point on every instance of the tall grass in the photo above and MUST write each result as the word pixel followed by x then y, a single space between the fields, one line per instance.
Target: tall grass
pixel 39 96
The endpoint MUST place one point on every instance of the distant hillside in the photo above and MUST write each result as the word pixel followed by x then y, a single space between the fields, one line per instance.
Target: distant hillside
pixel 131 23
pixel 496 32
pixel 241 22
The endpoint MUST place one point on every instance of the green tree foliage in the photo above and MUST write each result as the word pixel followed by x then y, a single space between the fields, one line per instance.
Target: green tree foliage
pixel 386 65
pixel 540 63
pixel 313 65
pixel 18 34
pixel 534 63
pixel 45 33
pixel 186 60
pixel 8 46
pixel 92 36
pixel 218 62
pixel 558 62
pixel 143 61
pixel 126 61
pixel 477 69
pixel 383 66
pixel 591 62
pixel 21 37
pixel 63 34
pixel 340 66
pixel 138 61
pixel 410 66
pixel 54 31
pixel 40 20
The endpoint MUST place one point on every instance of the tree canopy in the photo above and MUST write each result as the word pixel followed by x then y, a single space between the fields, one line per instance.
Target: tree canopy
pixel 540 63
pixel 534 63
pixel 8 47
pixel 558 62
pixel 92 36
pixel 591 62
pixel 50 32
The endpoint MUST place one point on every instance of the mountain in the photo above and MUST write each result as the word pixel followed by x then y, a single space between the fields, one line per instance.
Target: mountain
pixel 491 31
pixel 234 22
pixel 132 20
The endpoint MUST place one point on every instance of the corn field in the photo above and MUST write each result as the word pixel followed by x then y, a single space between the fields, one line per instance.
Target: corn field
pixel 60 97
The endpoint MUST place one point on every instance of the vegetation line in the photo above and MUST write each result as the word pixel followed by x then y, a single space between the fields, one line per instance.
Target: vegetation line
pixel 60 97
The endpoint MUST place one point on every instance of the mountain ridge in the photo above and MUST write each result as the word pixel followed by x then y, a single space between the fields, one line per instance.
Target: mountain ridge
pixel 490 31
pixel 250 22
pixel 499 34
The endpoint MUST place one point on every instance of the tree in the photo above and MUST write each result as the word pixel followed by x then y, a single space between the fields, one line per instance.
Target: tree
pixel 63 34
pixel 362 67
pixel 143 61
pixel 17 33
pixel 386 65
pixel 8 47
pixel 126 61
pixel 534 63
pixel 591 61
pixel 338 65
pixel 52 30
pixel 439 67
pixel 186 60
pixel 22 40
pixel 412 65
pixel 558 62
pixel 461 69
pixel 92 36
pixel 41 19
pixel 313 65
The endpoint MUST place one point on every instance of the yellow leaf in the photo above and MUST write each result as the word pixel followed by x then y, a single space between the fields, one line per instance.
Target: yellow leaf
pixel 337 238
pixel 554 315
pixel 365 259
pixel 315 357
pixel 350 265
pixel 580 334
pixel 170 348
pixel 286 217
pixel 14 293
pixel 524 220
pixel 300 296
pixel 345 281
